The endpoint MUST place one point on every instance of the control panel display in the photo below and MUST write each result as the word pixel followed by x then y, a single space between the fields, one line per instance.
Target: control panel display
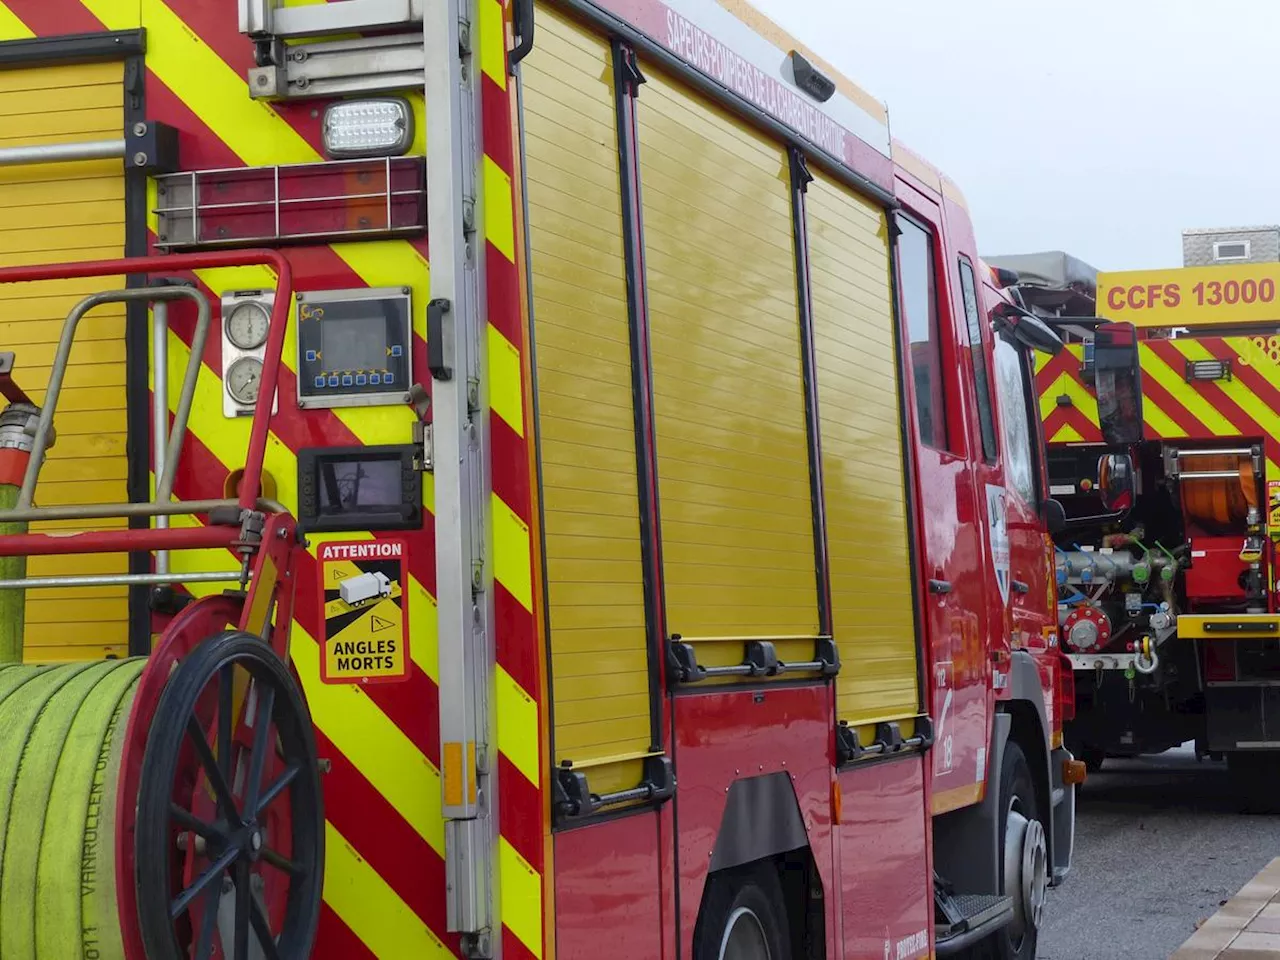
pixel 359 488
pixel 354 347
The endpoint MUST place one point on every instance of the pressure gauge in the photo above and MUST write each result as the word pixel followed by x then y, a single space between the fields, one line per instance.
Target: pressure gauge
pixel 247 325
pixel 243 380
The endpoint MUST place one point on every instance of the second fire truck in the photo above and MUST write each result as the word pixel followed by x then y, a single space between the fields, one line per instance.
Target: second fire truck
pixel 1166 568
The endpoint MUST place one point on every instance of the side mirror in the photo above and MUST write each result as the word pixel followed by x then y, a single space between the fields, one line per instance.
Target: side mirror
pixel 1026 328
pixel 1118 383
pixel 1116 484
pixel 1055 515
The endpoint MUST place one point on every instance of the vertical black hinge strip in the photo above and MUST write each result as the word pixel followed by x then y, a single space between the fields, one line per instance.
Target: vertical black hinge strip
pixel 801 177
pixel 627 80
pixel 800 180
pixel 137 336
pixel 630 77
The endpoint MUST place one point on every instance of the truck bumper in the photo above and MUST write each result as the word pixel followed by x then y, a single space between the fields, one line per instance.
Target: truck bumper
pixel 1063 815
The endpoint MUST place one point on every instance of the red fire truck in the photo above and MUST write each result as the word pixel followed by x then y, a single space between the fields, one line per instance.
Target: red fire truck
pixel 508 480
pixel 1166 567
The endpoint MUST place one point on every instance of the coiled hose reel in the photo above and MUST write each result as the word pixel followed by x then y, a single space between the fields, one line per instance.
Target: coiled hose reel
pixel 162 809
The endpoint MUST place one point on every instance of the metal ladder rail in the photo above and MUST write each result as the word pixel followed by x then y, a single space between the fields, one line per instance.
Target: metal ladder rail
pixel 456 341
pixel 434 50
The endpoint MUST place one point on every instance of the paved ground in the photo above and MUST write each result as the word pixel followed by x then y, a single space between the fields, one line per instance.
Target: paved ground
pixel 1161 843
pixel 1247 928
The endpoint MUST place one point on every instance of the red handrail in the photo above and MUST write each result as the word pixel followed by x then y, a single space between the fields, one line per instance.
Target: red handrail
pixel 251 484
pixel 117 541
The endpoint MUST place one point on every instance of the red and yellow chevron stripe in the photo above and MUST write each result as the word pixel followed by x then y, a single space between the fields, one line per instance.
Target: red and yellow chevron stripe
pixel 384 891
pixel 1246 406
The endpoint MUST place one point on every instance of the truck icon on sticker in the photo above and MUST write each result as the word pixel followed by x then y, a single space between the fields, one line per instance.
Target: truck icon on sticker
pixel 367 586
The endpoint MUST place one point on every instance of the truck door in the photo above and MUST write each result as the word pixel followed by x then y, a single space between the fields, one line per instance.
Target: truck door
pixel 1027 587
pixel 949 538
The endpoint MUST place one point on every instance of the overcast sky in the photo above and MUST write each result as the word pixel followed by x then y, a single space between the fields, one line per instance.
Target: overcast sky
pixel 1099 127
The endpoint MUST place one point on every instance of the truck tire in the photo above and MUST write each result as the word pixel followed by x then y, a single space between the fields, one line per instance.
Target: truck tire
pixel 743 917
pixel 1024 857
pixel 1093 758
pixel 1255 778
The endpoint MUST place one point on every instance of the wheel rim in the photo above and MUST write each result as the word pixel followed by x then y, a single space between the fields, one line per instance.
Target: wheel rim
pixel 229 812
pixel 744 937
pixel 1026 875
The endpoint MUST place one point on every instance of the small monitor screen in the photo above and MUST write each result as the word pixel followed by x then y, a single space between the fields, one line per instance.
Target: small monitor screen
pixel 358 343
pixel 359 486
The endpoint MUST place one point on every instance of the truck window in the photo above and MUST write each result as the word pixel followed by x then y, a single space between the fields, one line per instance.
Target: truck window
pixel 1011 385
pixel 920 309
pixel 981 380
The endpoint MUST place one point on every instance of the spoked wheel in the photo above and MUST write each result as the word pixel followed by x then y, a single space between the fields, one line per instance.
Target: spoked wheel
pixel 230 828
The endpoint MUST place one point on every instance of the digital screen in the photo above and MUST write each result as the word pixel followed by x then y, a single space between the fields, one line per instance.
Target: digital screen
pixel 357 343
pixel 359 486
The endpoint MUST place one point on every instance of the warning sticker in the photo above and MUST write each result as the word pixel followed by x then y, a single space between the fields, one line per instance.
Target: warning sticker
pixel 366 629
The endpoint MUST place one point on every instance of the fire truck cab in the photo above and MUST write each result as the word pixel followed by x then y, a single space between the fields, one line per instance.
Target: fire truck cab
pixel 495 479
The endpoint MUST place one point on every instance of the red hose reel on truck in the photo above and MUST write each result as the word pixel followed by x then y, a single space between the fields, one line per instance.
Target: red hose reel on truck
pixel 169 806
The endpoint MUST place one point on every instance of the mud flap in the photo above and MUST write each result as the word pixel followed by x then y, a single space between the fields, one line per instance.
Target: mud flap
pixel 966 845
pixel 1062 812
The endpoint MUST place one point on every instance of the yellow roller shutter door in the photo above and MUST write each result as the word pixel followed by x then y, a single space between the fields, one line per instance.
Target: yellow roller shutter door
pixel 862 456
pixel 599 666
pixel 733 469
pixel 57 213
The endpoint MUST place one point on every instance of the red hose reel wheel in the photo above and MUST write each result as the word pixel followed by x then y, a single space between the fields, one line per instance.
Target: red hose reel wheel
pixel 230 826
pixel 1087 629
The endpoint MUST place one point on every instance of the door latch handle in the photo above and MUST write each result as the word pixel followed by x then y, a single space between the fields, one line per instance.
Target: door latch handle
pixel 1020 587
pixel 940 586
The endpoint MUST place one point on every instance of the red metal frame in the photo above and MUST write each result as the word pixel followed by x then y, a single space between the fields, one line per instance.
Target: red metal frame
pixel 202 619
pixel 251 484
pixel 117 541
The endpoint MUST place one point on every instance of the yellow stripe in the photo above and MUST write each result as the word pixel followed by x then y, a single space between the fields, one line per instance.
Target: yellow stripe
pixel 511 552
pixel 1266 369
pixel 368 905
pixel 1067 434
pixel 1183 393
pixel 1081 399
pixel 518 726
pixel 204 82
pixel 506 396
pixel 366 736
pixel 499 224
pixel 391 263
pixel 1159 421
pixel 521 897
pixel 1238 392
pixel 11 28
pixel 493 42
